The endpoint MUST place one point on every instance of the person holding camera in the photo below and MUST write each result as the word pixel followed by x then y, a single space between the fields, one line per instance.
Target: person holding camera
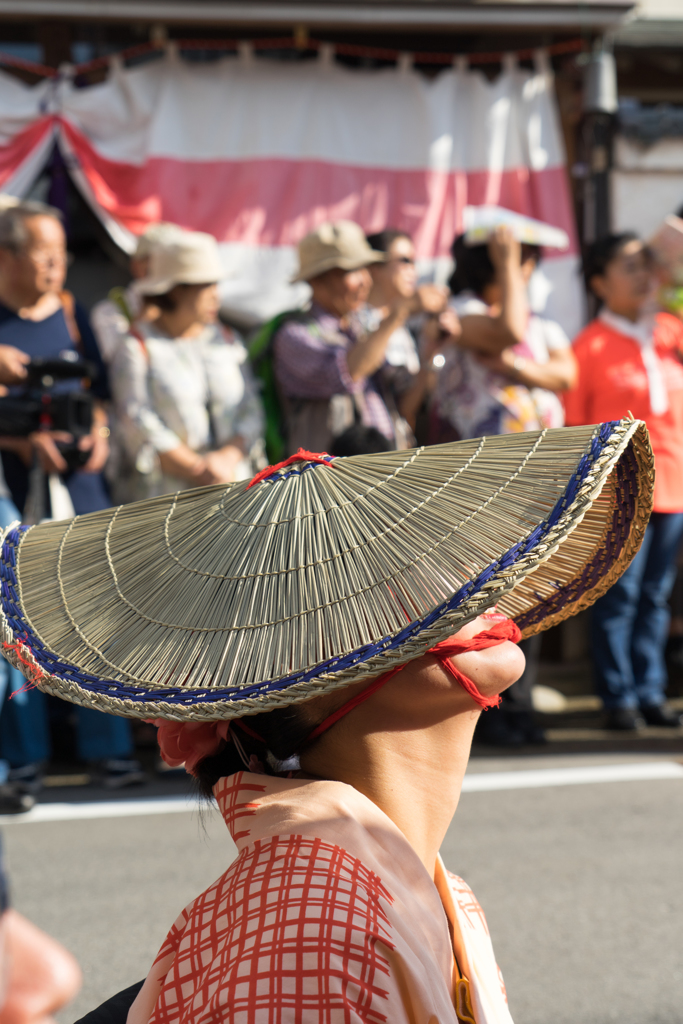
pixel 46 466
pixel 42 320
pixel 409 372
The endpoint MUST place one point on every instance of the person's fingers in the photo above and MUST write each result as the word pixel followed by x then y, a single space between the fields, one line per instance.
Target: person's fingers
pixel 450 323
pixel 41 976
pixel 433 297
pixel 50 436
pixel 49 454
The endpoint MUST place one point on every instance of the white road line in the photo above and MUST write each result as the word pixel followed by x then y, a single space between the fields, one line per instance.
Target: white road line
pixel 633 772
pixel 102 809
pixel 475 783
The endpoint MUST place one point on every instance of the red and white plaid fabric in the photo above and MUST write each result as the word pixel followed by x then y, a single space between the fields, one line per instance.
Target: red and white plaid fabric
pixel 327 916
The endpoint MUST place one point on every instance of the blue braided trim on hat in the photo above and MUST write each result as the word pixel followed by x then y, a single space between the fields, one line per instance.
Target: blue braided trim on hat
pixel 14 615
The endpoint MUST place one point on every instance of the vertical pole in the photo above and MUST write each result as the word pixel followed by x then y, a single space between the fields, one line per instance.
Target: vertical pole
pixel 596 136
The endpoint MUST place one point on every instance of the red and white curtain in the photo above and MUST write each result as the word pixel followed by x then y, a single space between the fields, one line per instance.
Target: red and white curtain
pixel 258 152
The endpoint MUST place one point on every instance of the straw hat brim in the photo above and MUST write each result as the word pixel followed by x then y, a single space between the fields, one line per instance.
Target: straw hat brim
pixel 160 286
pixel 307 273
pixel 227 601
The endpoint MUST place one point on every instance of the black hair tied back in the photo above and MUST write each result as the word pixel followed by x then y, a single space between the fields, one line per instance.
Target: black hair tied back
pixel 281 734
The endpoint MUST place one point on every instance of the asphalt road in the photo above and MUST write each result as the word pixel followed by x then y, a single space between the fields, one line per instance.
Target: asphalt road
pixel 582 886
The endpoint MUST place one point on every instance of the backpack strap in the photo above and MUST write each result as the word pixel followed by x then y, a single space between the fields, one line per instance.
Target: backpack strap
pixel 139 337
pixel 259 346
pixel 117 295
pixel 69 309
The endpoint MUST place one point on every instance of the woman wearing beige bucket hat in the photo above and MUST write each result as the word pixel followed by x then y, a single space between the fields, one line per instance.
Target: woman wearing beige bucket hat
pixel 316 646
pixel 187 409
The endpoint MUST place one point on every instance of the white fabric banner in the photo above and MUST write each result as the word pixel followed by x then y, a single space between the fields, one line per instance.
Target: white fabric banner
pixel 258 152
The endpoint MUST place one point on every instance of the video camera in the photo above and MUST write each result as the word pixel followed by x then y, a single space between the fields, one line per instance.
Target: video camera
pixel 39 404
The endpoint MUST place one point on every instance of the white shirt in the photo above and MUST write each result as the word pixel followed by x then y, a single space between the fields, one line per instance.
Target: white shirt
pixel 169 391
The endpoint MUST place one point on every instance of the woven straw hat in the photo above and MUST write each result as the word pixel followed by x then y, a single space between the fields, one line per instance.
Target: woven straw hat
pixel 191 258
pixel 231 600
pixel 341 243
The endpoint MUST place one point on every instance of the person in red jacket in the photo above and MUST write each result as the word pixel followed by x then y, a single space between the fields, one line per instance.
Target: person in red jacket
pixel 631 361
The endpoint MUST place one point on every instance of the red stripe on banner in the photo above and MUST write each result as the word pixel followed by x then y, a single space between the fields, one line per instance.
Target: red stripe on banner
pixel 275 202
pixel 21 146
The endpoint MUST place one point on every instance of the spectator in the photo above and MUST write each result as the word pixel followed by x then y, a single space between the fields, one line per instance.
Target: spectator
pixel 509 363
pixel 326 368
pixel 14 797
pixel 189 414
pixel 630 361
pixel 408 377
pixel 42 320
pixel 501 377
pixel 112 318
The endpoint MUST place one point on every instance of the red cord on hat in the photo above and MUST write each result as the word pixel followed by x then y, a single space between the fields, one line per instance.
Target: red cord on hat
pixel 301 456
pixel 444 651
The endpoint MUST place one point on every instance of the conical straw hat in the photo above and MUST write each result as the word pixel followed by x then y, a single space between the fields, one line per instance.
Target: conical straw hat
pixel 227 601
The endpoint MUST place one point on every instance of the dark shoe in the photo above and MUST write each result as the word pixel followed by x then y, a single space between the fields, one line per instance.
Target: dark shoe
pixel 525 722
pixel 661 714
pixel 117 774
pixel 15 799
pixel 29 777
pixel 624 720
pixel 494 730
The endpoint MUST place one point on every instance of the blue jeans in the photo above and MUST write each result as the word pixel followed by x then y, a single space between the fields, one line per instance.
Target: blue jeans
pixel 630 624
pixel 24 731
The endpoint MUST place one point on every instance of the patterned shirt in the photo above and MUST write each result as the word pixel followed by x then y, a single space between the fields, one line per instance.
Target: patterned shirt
pixel 327 916
pixel 476 401
pixel 310 366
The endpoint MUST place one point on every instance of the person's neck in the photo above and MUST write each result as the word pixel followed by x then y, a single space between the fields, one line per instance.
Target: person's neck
pixel 414 777
pixel 31 305
pixel 179 325
pixel 328 305
pixel 632 315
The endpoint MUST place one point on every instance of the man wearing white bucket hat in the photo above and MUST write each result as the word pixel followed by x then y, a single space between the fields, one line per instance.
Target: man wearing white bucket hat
pixel 188 410
pixel 111 318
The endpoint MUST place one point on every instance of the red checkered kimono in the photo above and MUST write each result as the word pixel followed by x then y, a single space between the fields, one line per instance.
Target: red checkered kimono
pixel 327 916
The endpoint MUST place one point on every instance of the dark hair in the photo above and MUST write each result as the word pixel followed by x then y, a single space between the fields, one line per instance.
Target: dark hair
pixel 383 240
pixel 13 231
pixel 167 303
pixel 598 256
pixel 282 732
pixel 474 270
pixel 360 440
